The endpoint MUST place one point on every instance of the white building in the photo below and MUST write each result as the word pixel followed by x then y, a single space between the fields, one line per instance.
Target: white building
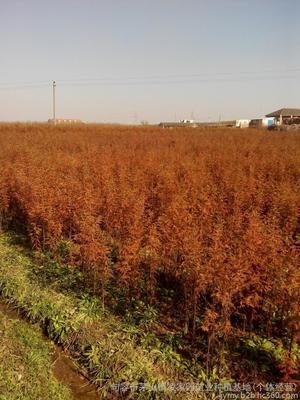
pixel 64 121
pixel 242 123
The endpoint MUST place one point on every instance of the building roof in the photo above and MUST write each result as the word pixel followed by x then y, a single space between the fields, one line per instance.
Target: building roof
pixel 285 112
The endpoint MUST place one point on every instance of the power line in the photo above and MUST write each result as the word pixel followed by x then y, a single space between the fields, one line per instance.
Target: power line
pixel 175 82
pixel 179 76
pixel 46 82
pixel 216 77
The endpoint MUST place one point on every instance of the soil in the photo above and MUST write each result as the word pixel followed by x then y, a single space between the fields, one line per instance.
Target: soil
pixel 64 368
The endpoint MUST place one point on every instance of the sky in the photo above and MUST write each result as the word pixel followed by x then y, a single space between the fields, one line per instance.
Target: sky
pixel 129 61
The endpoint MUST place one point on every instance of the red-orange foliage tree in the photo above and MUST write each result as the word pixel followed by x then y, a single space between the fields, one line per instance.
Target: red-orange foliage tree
pixel 213 214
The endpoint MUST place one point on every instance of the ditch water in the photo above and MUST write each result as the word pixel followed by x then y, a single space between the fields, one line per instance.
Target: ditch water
pixel 63 367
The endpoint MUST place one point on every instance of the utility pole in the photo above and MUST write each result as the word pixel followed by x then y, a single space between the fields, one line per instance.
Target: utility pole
pixel 54 86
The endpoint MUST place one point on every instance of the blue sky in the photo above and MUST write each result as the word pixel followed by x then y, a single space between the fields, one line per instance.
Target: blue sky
pixel 127 61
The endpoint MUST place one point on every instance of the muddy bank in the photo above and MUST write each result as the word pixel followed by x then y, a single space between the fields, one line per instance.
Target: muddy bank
pixel 66 372
pixel 64 369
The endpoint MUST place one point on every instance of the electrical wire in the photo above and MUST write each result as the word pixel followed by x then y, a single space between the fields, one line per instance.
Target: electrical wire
pixel 173 79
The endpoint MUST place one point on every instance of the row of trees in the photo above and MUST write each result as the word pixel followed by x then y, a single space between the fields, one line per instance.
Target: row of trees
pixel 211 214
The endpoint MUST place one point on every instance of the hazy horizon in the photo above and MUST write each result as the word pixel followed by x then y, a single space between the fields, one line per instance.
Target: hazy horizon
pixel 124 62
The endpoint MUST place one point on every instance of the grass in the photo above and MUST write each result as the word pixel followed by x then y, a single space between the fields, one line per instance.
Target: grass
pixel 25 364
pixel 109 349
pixel 102 343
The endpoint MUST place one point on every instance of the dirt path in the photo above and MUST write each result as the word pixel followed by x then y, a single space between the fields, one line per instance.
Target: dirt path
pixel 63 367
pixel 66 372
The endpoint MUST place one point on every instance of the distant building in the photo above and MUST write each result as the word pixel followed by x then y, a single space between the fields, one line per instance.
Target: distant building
pixel 242 123
pixel 193 124
pixel 64 121
pixel 186 121
pixel 286 116
pixel 267 122
pixel 181 124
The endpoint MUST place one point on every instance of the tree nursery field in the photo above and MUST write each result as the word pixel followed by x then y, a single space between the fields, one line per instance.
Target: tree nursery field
pixel 191 236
